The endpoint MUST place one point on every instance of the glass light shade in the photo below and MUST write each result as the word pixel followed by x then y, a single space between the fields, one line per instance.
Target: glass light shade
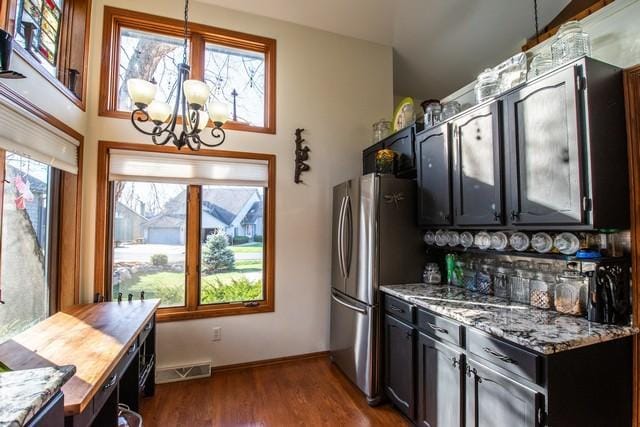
pixel 159 111
pixel 196 92
pixel 203 120
pixel 218 111
pixel 141 91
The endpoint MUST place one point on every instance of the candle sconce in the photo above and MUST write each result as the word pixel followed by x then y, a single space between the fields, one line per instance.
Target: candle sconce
pixel 302 155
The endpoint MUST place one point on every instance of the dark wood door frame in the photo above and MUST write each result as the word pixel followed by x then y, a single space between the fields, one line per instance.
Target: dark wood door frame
pixel 632 101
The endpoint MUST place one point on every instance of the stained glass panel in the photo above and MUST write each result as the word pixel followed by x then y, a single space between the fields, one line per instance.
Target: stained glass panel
pixel 45 15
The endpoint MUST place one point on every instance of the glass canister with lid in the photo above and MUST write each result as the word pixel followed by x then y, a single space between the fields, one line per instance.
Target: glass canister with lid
pixel 542 286
pixel 519 282
pixel 484 277
pixel 501 279
pixel 431 274
pixel 488 85
pixel 571 43
pixel 381 130
pixel 570 293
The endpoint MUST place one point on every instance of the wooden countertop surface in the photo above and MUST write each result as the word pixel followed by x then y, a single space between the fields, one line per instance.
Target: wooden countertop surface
pixel 93 337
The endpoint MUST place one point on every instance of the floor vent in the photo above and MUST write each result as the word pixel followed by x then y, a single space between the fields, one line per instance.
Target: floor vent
pixel 171 374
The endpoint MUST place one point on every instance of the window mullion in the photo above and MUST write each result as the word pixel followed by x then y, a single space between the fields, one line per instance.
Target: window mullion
pixel 197 56
pixel 193 246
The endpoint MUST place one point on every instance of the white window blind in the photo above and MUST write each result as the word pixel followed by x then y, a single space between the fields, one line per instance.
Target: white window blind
pixel 127 165
pixel 23 133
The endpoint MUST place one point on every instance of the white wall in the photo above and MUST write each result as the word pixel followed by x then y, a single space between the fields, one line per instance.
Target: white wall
pixel 335 87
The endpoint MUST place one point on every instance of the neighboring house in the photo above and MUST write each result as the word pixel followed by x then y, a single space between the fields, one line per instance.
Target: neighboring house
pixel 235 211
pixel 128 224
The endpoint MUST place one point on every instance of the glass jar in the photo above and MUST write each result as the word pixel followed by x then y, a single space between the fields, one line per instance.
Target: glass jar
pixel 571 43
pixel 542 287
pixel 442 238
pixel 513 71
pixel 381 130
pixel 499 241
pixel 450 109
pixel 458 272
pixel 519 282
pixel 540 64
pixel 385 161
pixel 501 280
pixel 466 239
pixel 570 293
pixel 482 240
pixel 484 278
pixel 429 238
pixel 453 238
pixel 519 241
pixel 488 85
pixel 567 243
pixel 432 114
pixel 541 242
pixel 469 276
pixel 431 274
pixel 408 116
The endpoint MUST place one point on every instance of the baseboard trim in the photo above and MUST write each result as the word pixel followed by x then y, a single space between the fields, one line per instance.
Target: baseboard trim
pixel 269 362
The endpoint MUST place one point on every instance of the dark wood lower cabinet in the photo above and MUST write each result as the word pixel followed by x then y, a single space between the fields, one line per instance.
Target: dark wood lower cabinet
pixel 440 370
pixel 399 364
pixel 493 399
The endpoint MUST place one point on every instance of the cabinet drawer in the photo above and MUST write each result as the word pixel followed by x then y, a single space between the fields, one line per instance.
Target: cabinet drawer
pixel 146 330
pixel 440 327
pixel 398 308
pixel 108 386
pixel 131 353
pixel 519 361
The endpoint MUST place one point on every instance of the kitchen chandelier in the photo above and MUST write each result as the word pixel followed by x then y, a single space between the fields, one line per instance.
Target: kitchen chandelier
pixel 192 104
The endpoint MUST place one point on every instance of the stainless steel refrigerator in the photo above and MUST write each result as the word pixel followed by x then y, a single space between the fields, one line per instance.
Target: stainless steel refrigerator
pixel 376 241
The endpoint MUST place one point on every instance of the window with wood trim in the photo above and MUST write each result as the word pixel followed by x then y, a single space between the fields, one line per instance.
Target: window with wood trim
pixel 200 237
pixel 52 36
pixel 239 68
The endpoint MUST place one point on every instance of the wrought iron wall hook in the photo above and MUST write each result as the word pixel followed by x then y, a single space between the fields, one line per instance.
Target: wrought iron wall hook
pixel 302 155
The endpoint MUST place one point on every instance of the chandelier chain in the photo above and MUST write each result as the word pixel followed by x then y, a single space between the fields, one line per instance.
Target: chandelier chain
pixel 535 12
pixel 186 31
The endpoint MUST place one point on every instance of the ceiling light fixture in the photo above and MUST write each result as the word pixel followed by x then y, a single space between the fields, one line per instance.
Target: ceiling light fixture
pixel 192 104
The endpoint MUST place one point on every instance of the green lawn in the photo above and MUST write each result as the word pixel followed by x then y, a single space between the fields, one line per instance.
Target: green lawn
pixel 253 248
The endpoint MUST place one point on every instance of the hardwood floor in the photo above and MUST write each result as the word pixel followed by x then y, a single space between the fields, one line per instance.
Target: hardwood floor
pixel 309 392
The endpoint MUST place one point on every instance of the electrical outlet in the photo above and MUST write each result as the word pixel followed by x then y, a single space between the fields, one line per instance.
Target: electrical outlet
pixel 217 334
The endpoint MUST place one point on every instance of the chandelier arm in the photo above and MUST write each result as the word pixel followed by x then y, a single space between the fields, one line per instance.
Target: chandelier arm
pixel 194 138
pixel 217 133
pixel 170 137
pixel 157 130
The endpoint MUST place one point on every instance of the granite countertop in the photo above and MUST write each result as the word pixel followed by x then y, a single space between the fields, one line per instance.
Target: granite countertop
pixel 546 332
pixel 23 393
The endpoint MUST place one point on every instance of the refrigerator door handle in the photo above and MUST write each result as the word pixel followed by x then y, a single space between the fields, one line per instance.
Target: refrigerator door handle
pixel 349 306
pixel 341 237
pixel 349 240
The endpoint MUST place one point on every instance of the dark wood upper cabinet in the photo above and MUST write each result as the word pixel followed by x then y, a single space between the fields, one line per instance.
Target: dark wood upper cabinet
pixel 440 370
pixel 545 157
pixel 434 177
pixel 369 158
pixel 495 400
pixel 398 364
pixel 477 166
pixel 402 143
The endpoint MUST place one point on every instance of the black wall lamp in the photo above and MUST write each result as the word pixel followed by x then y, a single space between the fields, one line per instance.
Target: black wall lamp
pixel 6 50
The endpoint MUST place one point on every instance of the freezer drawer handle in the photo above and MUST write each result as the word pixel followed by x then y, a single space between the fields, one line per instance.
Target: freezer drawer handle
pixel 437 328
pixel 352 307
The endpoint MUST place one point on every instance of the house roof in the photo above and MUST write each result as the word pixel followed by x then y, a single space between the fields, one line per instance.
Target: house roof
pixel 254 213
pixel 124 208
pixel 165 221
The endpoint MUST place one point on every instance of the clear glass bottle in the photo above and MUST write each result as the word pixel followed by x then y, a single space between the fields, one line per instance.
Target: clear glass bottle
pixel 499 241
pixel 542 287
pixel 541 243
pixel 431 274
pixel 469 276
pixel 501 280
pixel 482 240
pixel 570 293
pixel 519 241
pixel 519 282
pixel 484 278
pixel 566 243
pixel 429 238
pixel 571 43
pixel 466 239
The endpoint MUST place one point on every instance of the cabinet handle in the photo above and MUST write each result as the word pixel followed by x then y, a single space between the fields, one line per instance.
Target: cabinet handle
pixel 437 328
pixel 148 326
pixel 410 334
pixel 132 349
pixel 496 215
pixel 111 383
pixel 515 215
pixel 455 362
pixel 397 309
pixel 502 357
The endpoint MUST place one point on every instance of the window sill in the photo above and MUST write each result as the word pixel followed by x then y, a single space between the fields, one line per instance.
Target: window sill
pixel 181 313
pixel 35 65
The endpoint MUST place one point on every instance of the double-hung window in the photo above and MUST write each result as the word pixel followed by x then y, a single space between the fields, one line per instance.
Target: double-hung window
pixel 195 230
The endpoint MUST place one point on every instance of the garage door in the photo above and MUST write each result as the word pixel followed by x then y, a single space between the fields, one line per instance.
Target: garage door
pixel 164 236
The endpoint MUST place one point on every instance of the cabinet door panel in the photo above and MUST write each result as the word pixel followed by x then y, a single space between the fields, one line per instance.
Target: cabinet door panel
pixel 545 152
pixel 439 384
pixel 398 362
pixel 477 170
pixel 402 144
pixel 495 400
pixel 369 158
pixel 434 182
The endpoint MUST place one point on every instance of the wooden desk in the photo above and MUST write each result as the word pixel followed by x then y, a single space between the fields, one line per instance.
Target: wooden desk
pixel 102 341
